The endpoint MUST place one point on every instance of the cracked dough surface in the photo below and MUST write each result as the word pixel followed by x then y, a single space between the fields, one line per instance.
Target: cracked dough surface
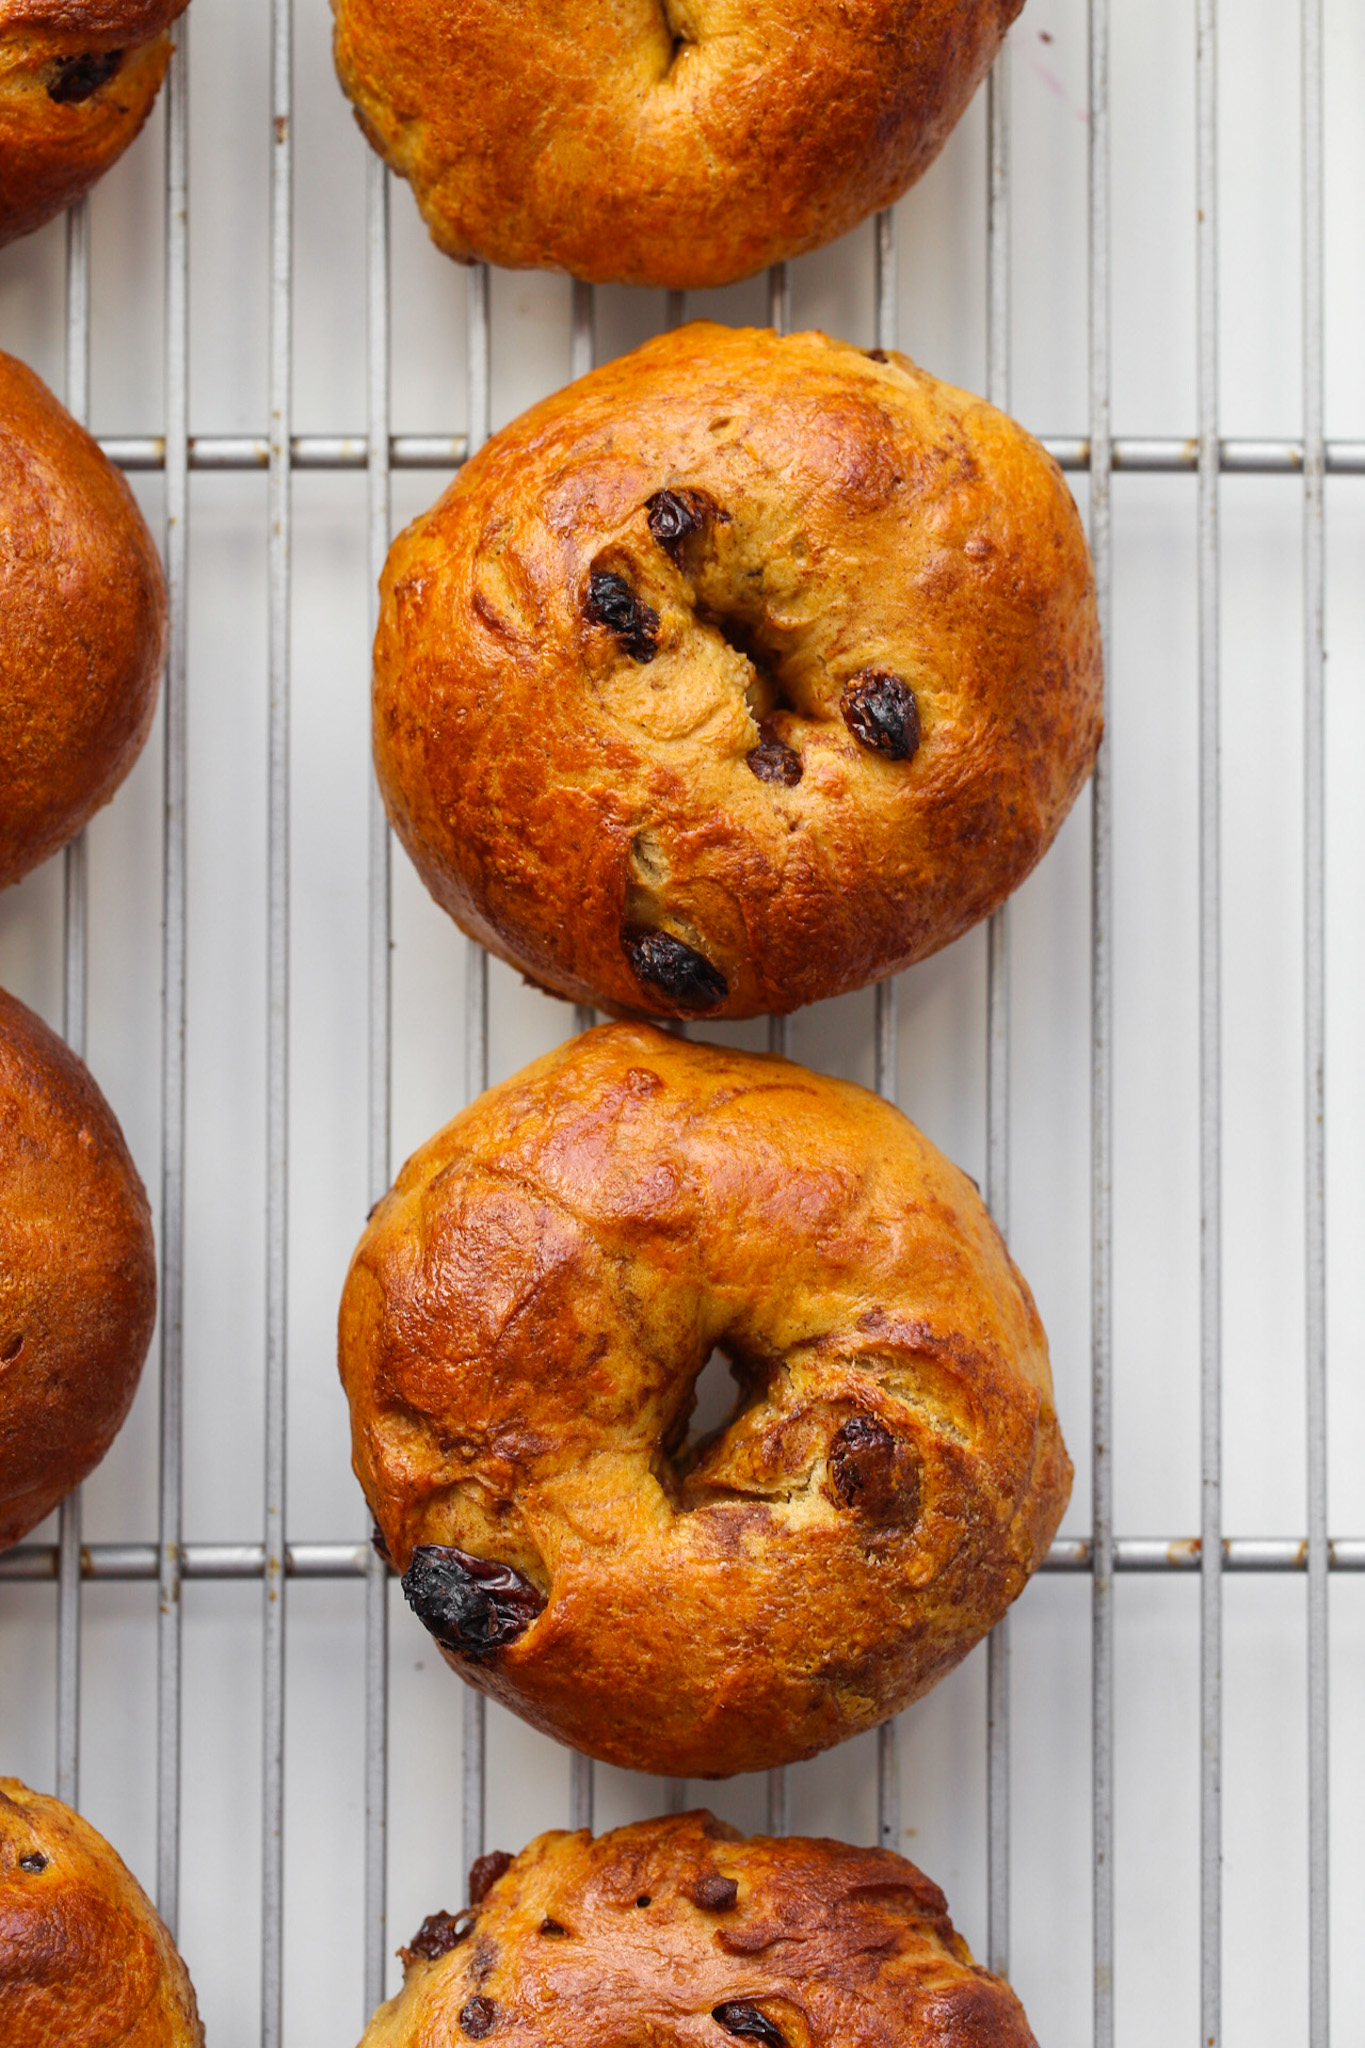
pixel 520 1333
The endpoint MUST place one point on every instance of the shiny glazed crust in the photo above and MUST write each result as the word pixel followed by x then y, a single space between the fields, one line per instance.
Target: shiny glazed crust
pixel 84 1960
pixel 61 127
pixel 77 1273
pixel 663 1932
pixel 564 787
pixel 659 142
pixel 82 625
pixel 521 1330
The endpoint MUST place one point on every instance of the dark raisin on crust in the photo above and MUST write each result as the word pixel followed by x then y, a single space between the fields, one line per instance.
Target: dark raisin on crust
pixel 612 603
pixel 438 1934
pixel 478 2017
pixel 683 974
pixel 484 1873
pixel 714 1893
pixel 876 355
pixel 469 1604
pixel 673 515
pixel 880 710
pixel 870 1473
pixel 644 1900
pixel 551 1927
pixel 33 1862
pixel 78 78
pixel 748 2023
pixel 772 760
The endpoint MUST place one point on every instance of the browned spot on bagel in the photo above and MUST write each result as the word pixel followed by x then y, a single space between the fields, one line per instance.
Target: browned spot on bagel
pixel 484 1873
pixel 437 1935
pixel 75 79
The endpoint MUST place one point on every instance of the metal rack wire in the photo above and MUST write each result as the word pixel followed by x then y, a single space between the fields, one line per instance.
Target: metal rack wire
pixel 275 1560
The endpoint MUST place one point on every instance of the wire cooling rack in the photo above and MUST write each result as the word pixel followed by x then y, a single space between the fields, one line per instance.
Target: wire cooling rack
pixel 272 1555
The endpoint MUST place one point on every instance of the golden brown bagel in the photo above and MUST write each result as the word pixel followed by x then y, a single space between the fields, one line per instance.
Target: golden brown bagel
pixel 678 1932
pixel 84 1960
pixel 82 624
pixel 77 1272
pixel 77 81
pixel 521 1331
pixel 659 142
pixel 743 672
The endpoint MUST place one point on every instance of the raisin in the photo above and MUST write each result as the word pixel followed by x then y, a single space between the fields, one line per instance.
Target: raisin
pixel 683 974
pixel 612 603
pixel 870 1473
pixel 469 1604
pixel 438 1934
pixel 714 1893
pixel 644 1900
pixel 748 2022
pixel 484 1873
pixel 876 355
pixel 880 710
pixel 478 2016
pixel 76 78
pixel 33 1862
pixel 673 515
pixel 772 760
pixel 551 1927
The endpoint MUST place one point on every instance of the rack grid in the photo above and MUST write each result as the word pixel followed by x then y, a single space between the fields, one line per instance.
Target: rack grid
pixel 274 1559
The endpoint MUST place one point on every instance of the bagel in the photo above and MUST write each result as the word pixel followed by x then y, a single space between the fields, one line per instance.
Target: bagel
pixel 77 1272
pixel 659 142
pixel 743 672
pixel 521 1331
pixel 84 1959
pixel 82 624
pixel 77 80
pixel 680 1931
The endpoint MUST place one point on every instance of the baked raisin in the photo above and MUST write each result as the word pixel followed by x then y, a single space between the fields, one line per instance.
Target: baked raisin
pixel 551 1927
pixel 469 1604
pixel 684 975
pixel 33 1862
pixel 749 2023
pixel 478 2017
pixel 876 355
pixel 772 760
pixel 77 78
pixel 673 515
pixel 612 603
pixel 714 1893
pixel 438 1934
pixel 484 1873
pixel 871 1474
pixel 880 710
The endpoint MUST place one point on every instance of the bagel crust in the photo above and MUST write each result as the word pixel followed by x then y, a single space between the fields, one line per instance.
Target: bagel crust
pixel 77 81
pixel 77 1273
pixel 680 1931
pixel 743 672
pixel 85 1962
pixel 521 1331
pixel 82 624
pixel 659 142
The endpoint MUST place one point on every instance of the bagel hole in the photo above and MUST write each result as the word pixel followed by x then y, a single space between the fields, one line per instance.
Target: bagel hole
pixel 722 1391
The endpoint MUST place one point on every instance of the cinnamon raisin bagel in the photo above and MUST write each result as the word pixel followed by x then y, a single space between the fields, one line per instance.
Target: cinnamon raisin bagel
pixel 77 1272
pixel 77 81
pixel 85 1962
pixel 743 672
pixel 82 624
pixel 521 1333
pixel 681 1932
pixel 659 142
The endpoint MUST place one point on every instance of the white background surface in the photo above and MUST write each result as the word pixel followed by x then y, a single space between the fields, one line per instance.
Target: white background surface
pixel 1152 716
